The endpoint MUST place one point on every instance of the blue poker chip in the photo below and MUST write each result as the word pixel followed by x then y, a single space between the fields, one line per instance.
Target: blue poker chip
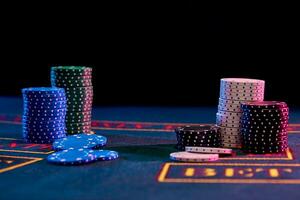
pixel 42 119
pixel 44 106
pixel 43 90
pixel 44 103
pixel 44 111
pixel 44 126
pixel 86 141
pixel 105 155
pixel 42 139
pixel 72 157
pixel 46 123
pixel 43 129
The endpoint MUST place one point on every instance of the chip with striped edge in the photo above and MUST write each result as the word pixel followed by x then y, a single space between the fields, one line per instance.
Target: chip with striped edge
pixel 208 150
pixel 184 156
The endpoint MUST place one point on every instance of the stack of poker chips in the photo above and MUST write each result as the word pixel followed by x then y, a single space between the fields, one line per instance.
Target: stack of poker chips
pixel 77 82
pixel 233 92
pixel 264 127
pixel 44 114
pixel 198 136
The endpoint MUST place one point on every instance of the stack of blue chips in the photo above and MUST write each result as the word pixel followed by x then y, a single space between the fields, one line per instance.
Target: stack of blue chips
pixel 44 114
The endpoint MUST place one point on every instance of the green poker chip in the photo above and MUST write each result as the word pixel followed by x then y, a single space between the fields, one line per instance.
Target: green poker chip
pixel 69 120
pixel 79 92
pixel 71 69
pixel 71 89
pixel 79 96
pixel 72 132
pixel 63 85
pixel 76 102
pixel 88 123
pixel 73 128
pixel 74 114
pixel 61 78
pixel 78 119
pixel 67 80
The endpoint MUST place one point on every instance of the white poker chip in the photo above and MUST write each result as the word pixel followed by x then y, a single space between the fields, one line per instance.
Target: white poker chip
pixel 228 114
pixel 236 87
pixel 232 141
pixel 228 125
pixel 242 81
pixel 245 98
pixel 257 90
pixel 208 150
pixel 229 117
pixel 231 145
pixel 184 156
pixel 235 106
pixel 225 95
pixel 230 137
pixel 230 102
pixel 229 109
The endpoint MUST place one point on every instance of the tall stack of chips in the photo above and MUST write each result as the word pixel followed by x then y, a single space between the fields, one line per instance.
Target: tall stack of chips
pixel 44 114
pixel 264 127
pixel 199 136
pixel 77 82
pixel 233 92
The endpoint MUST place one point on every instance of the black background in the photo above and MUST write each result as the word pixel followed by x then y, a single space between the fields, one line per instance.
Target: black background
pixel 154 53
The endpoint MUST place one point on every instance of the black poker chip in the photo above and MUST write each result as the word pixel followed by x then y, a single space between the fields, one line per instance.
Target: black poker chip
pixel 201 135
pixel 263 105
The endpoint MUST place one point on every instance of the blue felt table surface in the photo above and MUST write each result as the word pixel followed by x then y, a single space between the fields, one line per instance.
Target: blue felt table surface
pixel 135 174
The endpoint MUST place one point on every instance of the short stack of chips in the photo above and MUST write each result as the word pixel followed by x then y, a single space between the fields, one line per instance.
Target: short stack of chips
pixel 233 92
pixel 264 127
pixel 198 136
pixel 80 149
pixel 77 82
pixel 44 114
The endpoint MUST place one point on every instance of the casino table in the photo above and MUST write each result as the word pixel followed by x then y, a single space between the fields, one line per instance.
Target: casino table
pixel 144 138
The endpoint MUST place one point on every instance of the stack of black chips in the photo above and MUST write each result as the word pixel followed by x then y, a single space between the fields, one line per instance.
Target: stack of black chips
pixel 264 127
pixel 200 136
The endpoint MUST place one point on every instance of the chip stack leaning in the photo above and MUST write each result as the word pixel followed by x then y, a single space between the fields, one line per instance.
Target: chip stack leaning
pixel 77 82
pixel 233 92
pixel 44 114
pixel 264 127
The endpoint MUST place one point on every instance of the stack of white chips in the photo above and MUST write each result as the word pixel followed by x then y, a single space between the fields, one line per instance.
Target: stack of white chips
pixel 234 91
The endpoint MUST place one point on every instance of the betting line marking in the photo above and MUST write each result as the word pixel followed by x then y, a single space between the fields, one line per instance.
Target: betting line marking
pixel 141 129
pixel 162 176
pixel 32 160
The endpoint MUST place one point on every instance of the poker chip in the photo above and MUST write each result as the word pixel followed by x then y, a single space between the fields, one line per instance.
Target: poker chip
pixel 231 145
pixel 208 150
pixel 76 131
pixel 44 112
pixel 193 157
pixel 43 91
pixel 268 105
pixel 86 141
pixel 201 135
pixel 105 155
pixel 264 126
pixel 72 157
pixel 77 83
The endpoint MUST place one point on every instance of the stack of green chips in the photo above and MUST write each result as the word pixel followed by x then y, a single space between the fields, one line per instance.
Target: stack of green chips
pixel 77 82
